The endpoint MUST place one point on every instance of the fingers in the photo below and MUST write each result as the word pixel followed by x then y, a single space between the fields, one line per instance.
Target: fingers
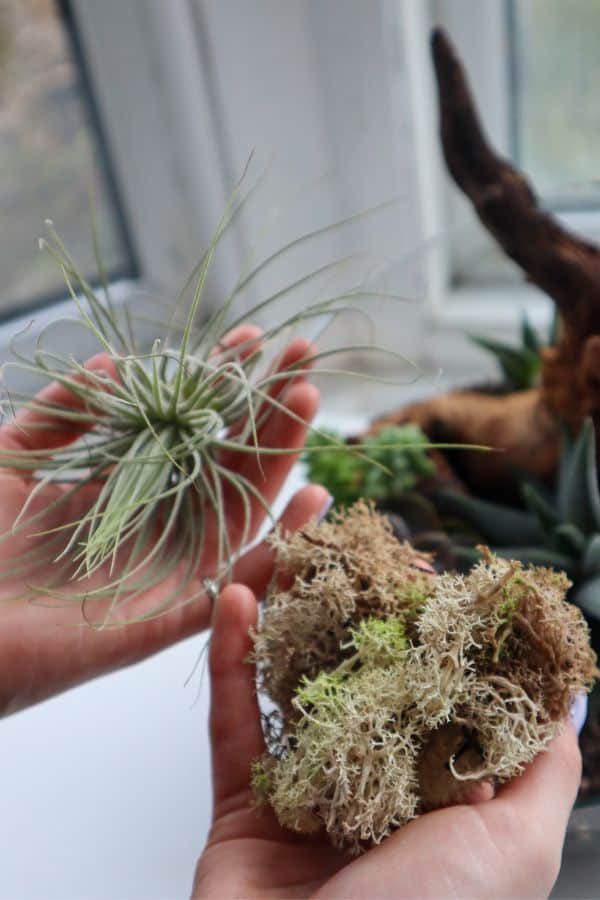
pixel 245 337
pixel 554 776
pixel 267 472
pixel 286 430
pixel 291 359
pixel 26 431
pixel 479 793
pixel 255 569
pixel 528 817
pixel 235 730
pixel 296 357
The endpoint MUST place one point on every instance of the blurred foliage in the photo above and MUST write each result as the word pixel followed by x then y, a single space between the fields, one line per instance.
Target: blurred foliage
pixel 388 463
pixel 520 365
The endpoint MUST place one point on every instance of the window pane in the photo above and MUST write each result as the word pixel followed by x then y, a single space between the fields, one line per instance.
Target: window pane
pixel 50 157
pixel 556 66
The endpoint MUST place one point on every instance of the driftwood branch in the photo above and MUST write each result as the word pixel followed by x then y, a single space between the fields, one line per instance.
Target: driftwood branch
pixel 524 425
pixel 564 266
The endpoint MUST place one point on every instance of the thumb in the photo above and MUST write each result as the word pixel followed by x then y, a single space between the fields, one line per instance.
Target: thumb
pixel 235 729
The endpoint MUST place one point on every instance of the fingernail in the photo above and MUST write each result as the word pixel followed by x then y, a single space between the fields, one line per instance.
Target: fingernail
pixel 212 592
pixel 325 508
pixel 578 712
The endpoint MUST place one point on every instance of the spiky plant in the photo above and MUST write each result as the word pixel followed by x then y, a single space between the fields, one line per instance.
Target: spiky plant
pixel 121 505
pixel 559 529
pixel 519 365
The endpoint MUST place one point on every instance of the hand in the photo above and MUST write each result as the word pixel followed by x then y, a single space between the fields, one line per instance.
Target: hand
pixel 507 846
pixel 45 649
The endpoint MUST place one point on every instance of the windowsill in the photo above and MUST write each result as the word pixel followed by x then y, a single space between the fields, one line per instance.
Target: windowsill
pixel 498 309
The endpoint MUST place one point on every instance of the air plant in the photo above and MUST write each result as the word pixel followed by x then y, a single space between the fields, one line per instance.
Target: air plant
pixel 154 441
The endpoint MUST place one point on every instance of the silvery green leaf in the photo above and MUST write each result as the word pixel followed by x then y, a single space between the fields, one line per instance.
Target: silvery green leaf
pixel 538 556
pixel 587 597
pixel 590 562
pixel 569 539
pixel 499 524
pixel 578 498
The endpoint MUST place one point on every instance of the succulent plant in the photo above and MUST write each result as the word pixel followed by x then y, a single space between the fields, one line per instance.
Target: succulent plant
pixel 387 464
pixel 520 365
pixel 400 472
pixel 559 529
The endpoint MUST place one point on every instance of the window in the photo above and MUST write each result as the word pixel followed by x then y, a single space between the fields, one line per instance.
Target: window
pixel 533 67
pixel 184 91
pixel 555 118
pixel 125 106
pixel 52 157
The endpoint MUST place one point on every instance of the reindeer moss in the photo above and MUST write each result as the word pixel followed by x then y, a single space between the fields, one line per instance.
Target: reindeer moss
pixel 344 570
pixel 398 690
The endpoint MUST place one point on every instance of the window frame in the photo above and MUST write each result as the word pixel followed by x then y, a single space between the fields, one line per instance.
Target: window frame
pixel 148 51
pixel 149 66
pixel 481 32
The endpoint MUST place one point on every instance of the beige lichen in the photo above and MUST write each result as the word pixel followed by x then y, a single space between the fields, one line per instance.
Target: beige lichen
pixel 343 571
pixel 400 690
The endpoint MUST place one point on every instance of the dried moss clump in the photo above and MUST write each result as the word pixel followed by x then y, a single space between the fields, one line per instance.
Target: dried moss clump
pixel 399 690
pixel 343 571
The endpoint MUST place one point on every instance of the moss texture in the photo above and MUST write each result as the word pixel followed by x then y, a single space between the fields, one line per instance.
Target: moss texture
pixel 398 690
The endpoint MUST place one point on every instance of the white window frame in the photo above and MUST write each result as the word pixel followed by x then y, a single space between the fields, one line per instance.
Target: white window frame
pixel 147 50
pixel 151 74
pixel 479 31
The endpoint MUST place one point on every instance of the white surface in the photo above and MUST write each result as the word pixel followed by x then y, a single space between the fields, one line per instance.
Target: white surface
pixel 106 789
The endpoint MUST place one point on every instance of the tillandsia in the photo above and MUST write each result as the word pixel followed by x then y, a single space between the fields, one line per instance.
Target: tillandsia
pixel 398 690
pixel 136 467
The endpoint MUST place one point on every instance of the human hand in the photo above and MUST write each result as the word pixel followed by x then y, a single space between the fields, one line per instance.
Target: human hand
pixel 45 649
pixel 503 847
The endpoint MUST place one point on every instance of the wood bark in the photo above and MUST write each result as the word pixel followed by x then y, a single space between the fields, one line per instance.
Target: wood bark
pixel 523 426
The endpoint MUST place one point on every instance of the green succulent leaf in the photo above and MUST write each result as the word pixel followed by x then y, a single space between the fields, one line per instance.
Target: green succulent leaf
pixel 578 497
pixel 498 524
pixel 539 556
pixel 590 562
pixel 587 597
pixel 529 336
pixel 417 511
pixel 569 539
pixel 520 366
pixel 537 504
pixel 387 464
pixel 337 470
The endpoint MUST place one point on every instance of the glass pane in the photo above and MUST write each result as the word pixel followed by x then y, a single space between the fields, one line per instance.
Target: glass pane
pixel 50 158
pixel 556 66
